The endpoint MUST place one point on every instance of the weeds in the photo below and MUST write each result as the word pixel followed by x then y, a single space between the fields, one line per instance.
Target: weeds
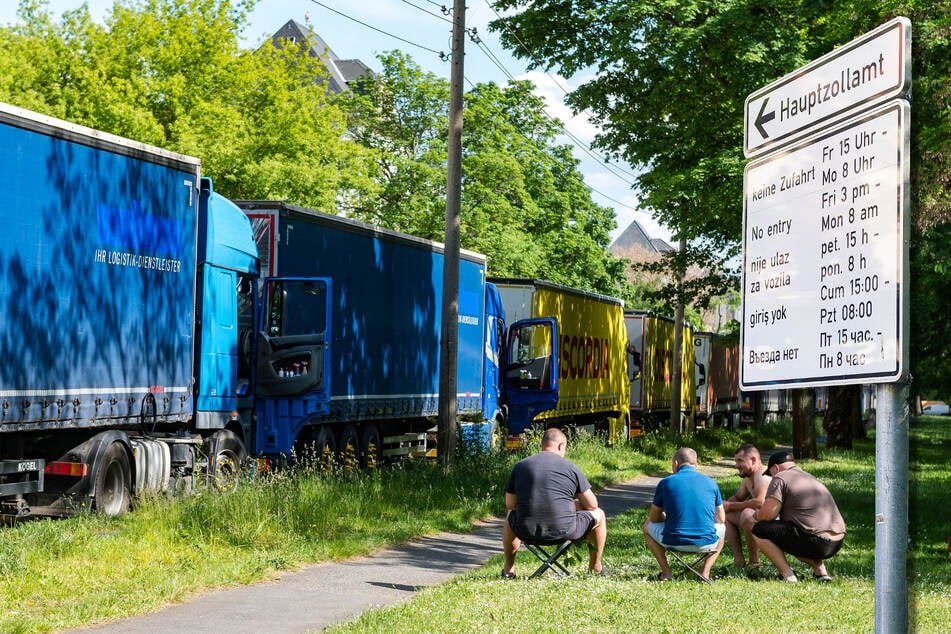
pixel 67 573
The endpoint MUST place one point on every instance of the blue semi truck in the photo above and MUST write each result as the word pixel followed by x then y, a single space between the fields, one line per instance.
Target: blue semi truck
pixel 151 332
pixel 371 323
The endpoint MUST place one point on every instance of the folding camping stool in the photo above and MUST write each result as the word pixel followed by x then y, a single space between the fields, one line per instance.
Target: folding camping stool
pixel 690 561
pixel 549 554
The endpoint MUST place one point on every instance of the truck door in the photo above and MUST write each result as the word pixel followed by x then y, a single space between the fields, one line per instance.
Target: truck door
pixel 294 339
pixel 292 382
pixel 531 371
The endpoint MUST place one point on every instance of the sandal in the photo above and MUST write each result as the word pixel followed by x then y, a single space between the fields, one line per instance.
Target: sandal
pixel 822 578
pixel 509 575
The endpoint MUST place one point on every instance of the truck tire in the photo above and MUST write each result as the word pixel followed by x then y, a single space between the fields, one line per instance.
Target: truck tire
pixel 370 448
pixel 348 449
pixel 226 458
pixel 325 448
pixel 112 482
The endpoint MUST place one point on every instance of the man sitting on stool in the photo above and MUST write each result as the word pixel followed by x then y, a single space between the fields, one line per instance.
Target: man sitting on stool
pixel 549 499
pixel 686 515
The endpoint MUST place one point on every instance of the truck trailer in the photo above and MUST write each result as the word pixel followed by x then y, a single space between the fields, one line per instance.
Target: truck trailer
pixel 348 353
pixel 590 351
pixel 651 352
pixel 119 266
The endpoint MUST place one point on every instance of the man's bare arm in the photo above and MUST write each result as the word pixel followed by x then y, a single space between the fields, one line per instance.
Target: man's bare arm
pixel 769 510
pixel 587 501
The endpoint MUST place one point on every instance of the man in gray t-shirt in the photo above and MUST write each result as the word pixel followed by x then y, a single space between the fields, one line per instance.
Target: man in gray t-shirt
pixel 809 525
pixel 549 500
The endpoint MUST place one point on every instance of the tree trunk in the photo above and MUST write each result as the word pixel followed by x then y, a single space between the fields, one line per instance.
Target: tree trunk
pixel 759 413
pixel 858 425
pixel 676 369
pixel 838 422
pixel 804 424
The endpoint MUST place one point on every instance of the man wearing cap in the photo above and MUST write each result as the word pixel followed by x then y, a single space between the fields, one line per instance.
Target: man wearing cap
pixel 686 514
pixel 809 527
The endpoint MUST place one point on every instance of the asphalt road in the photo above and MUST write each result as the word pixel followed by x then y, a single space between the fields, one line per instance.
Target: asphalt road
pixel 312 598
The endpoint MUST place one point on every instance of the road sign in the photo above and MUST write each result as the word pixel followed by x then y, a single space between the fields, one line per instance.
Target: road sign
pixel 868 70
pixel 824 227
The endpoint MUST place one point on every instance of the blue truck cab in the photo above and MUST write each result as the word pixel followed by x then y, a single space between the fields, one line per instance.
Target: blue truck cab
pixel 348 339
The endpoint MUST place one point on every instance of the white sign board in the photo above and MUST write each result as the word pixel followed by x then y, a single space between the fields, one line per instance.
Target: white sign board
pixel 823 225
pixel 867 70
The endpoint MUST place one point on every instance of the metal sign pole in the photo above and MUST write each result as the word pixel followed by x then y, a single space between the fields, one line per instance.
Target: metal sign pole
pixel 891 507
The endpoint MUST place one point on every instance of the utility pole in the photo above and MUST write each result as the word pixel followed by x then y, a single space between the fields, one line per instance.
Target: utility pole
pixel 449 344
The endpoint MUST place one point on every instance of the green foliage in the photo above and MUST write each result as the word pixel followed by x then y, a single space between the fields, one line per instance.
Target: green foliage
pixel 524 202
pixel 676 113
pixel 171 73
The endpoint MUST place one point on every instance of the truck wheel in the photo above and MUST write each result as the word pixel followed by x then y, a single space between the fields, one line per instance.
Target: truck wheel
pixel 325 448
pixel 112 484
pixel 370 448
pixel 226 455
pixel 348 447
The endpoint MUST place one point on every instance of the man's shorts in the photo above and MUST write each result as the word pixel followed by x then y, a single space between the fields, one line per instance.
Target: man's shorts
pixel 656 531
pixel 795 541
pixel 584 522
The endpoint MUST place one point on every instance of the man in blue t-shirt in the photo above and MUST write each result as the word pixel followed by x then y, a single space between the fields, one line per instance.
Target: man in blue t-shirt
pixel 549 500
pixel 686 514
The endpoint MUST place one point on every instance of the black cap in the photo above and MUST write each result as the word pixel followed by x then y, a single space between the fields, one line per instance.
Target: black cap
pixel 778 457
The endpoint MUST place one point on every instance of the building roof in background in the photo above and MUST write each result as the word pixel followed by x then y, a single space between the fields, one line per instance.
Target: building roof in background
pixel 634 243
pixel 340 71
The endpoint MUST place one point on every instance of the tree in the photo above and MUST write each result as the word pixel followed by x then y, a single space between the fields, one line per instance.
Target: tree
pixel 171 73
pixel 400 115
pixel 524 202
pixel 669 87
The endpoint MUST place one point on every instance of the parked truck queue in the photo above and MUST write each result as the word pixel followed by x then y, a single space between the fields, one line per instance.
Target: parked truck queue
pixel 155 334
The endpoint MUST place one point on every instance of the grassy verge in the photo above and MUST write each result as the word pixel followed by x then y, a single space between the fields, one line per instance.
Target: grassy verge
pixel 67 573
pixel 625 600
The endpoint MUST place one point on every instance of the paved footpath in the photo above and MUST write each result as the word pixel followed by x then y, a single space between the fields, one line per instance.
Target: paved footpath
pixel 314 597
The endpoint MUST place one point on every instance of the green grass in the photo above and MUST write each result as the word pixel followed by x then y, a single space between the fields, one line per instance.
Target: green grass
pixel 68 573
pixel 626 600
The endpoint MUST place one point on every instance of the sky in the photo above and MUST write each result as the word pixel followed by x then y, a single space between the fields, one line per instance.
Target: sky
pixel 360 29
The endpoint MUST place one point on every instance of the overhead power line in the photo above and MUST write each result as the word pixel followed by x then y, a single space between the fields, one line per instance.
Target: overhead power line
pixel 428 12
pixel 442 54
pixel 603 160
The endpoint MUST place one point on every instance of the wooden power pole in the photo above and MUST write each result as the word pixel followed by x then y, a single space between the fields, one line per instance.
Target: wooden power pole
pixel 449 343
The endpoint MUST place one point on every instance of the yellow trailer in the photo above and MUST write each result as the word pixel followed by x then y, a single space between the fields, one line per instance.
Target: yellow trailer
pixel 591 353
pixel 651 353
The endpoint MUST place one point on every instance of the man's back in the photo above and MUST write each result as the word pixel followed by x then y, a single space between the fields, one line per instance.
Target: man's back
pixel 806 501
pixel 689 500
pixel 546 485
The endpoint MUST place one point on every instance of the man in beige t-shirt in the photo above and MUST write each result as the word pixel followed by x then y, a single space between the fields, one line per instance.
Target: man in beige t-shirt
pixel 809 527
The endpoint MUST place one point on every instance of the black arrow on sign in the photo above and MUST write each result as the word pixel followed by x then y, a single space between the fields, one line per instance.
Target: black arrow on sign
pixel 762 118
